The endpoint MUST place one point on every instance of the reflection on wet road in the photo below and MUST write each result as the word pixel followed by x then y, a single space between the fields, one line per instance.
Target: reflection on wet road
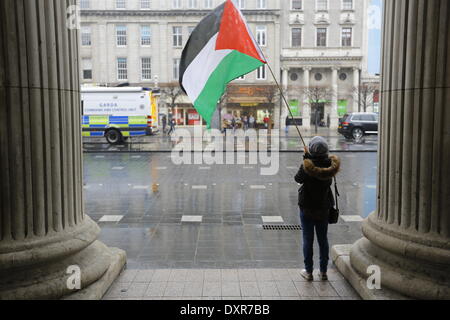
pixel 159 202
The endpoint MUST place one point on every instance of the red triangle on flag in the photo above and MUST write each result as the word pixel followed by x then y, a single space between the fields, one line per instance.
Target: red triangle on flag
pixel 234 35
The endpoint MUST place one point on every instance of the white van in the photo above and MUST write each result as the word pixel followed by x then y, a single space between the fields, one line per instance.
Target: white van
pixel 118 113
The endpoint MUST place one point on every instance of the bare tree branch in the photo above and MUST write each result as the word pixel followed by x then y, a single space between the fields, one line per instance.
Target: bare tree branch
pixel 171 92
pixel 365 94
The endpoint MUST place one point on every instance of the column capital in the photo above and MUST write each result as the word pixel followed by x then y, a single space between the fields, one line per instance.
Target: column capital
pixel 334 68
pixel 307 68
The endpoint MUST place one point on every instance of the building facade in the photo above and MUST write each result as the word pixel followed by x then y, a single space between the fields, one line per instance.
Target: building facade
pixel 308 43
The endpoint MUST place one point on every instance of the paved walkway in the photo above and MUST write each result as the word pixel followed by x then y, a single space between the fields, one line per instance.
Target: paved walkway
pixel 227 284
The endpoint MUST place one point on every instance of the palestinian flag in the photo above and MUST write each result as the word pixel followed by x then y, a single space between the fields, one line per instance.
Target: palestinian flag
pixel 221 48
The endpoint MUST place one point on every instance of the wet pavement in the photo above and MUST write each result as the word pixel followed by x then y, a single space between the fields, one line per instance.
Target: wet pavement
pixel 289 143
pixel 199 216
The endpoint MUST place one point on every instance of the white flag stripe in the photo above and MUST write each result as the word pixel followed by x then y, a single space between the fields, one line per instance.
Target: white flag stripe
pixel 199 71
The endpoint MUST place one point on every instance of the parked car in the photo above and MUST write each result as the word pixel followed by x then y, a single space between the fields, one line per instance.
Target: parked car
pixel 358 125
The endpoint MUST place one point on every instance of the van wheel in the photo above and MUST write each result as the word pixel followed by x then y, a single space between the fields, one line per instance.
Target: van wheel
pixel 113 136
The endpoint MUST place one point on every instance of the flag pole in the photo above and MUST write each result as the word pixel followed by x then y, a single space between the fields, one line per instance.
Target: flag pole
pixel 287 105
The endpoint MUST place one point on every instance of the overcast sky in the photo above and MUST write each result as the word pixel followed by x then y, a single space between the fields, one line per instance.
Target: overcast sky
pixel 375 17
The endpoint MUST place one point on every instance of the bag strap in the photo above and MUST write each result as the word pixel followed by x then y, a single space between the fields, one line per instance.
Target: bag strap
pixel 336 193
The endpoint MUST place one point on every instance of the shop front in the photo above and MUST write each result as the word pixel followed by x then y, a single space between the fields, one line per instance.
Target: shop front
pixel 251 101
pixel 186 115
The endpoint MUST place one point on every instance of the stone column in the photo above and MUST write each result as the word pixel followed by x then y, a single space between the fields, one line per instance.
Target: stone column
pixel 408 236
pixel 355 93
pixel 334 100
pixel 306 106
pixel 284 111
pixel 43 229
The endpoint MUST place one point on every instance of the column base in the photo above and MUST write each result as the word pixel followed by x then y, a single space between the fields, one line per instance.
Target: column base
pixel 40 269
pixel 340 254
pixel 411 266
pixel 98 289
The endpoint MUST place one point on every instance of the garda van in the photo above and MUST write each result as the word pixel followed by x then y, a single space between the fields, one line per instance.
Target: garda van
pixel 118 113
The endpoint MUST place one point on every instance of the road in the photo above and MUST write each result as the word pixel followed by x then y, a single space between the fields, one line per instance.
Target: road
pixel 167 215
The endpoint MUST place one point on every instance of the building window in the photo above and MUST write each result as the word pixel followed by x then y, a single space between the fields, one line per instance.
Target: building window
pixel 261 35
pixel 192 4
pixel 294 76
pixel 241 4
pixel 177 36
pixel 146 64
pixel 343 76
pixel 145 4
pixel 146 36
pixel 85 4
pixel 261 4
pixel 121 4
pixel 297 5
pixel 321 5
pixel 176 4
pixel 296 37
pixel 86 40
pixel 318 77
pixel 121 34
pixel 261 73
pixel 321 37
pixel 122 69
pixel 208 4
pixel 176 69
pixel 346 37
pixel 347 4
pixel 87 69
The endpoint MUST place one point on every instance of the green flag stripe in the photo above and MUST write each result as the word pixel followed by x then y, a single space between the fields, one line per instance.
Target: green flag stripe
pixel 233 66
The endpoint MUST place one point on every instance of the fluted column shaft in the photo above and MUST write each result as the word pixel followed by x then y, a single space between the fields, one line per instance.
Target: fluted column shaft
pixel 410 232
pixel 43 228
pixel 41 164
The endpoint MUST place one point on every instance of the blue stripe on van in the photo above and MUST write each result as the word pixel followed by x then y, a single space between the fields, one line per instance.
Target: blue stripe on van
pixel 137 133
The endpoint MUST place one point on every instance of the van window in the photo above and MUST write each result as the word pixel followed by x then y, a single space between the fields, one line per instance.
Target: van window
pixel 356 117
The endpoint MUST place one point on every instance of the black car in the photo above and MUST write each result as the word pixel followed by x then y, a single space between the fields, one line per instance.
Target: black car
pixel 357 125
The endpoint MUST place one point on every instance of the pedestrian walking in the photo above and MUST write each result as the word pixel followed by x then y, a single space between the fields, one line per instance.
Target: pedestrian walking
pixel 245 122
pixel 172 127
pixel 286 129
pixel 233 124
pixel 251 122
pixel 315 201
pixel 164 123
pixel 266 121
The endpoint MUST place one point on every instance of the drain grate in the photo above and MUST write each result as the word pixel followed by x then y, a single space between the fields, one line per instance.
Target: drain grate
pixel 282 227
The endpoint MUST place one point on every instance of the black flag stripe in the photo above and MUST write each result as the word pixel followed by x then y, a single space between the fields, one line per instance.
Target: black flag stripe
pixel 205 30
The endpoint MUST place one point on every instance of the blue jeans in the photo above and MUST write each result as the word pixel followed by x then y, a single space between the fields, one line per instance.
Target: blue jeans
pixel 308 226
